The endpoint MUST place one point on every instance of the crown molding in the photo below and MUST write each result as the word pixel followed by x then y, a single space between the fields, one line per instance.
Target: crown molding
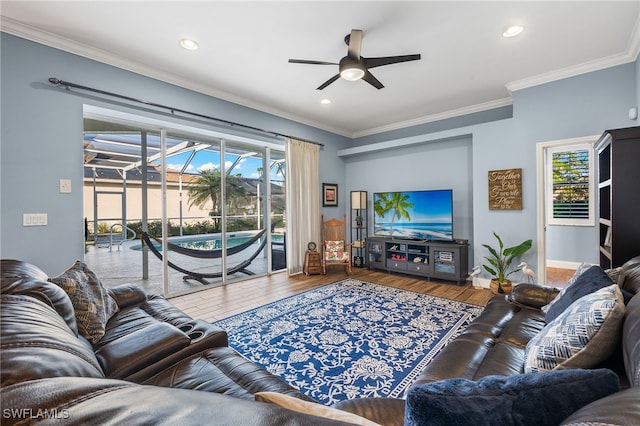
pixel 498 103
pixel 630 55
pixel 46 38
pixel 563 73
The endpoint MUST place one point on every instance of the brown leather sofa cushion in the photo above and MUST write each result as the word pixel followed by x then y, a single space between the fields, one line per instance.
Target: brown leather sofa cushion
pixel 494 343
pixel 631 341
pixel 131 353
pixel 10 269
pixel 222 370
pixel 631 275
pixel 38 343
pixel 621 408
pixel 532 295
pixel 42 290
pixel 82 401
pixel 127 295
pixel 386 411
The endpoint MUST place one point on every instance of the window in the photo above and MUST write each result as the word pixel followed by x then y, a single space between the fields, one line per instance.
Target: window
pixel 570 185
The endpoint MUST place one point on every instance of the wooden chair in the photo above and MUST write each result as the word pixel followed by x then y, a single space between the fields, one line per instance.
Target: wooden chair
pixel 335 249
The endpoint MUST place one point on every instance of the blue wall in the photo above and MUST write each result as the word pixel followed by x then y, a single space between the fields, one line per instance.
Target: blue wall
pixel 42 133
pixel 435 165
pixel 42 130
pixel 575 107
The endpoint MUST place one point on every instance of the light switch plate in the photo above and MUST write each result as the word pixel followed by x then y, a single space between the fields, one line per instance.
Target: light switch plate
pixel 65 186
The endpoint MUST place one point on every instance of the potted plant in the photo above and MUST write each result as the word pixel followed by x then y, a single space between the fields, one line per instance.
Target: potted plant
pixel 499 262
pixel 359 220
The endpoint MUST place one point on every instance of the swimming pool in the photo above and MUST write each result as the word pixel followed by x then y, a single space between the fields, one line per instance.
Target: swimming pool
pixel 211 241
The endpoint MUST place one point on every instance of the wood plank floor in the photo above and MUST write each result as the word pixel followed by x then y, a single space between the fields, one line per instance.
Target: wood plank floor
pixel 223 301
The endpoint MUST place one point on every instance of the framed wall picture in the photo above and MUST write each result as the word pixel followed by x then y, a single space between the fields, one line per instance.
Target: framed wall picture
pixel 505 189
pixel 329 195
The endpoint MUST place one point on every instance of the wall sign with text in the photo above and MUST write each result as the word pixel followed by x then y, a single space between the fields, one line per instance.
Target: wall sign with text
pixel 505 189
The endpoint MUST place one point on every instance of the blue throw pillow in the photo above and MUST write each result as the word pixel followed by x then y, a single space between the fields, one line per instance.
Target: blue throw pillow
pixel 522 399
pixel 593 279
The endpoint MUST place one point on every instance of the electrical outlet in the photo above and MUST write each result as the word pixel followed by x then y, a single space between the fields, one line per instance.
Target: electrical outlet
pixel 34 219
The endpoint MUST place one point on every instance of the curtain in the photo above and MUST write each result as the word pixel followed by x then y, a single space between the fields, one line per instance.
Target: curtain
pixel 303 201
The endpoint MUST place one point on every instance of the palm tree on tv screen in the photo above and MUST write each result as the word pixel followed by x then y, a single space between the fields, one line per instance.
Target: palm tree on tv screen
pixel 396 201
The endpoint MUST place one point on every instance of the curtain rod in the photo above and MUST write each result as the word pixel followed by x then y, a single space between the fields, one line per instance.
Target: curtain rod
pixel 58 82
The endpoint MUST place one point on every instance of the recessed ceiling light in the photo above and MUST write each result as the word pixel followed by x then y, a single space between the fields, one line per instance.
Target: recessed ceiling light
pixel 325 101
pixel 513 31
pixel 188 44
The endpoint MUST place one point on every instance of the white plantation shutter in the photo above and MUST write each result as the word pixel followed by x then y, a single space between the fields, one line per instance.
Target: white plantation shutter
pixel 571 185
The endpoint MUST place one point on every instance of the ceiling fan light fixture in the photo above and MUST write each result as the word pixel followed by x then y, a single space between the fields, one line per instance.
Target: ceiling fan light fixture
pixel 352 74
pixel 351 69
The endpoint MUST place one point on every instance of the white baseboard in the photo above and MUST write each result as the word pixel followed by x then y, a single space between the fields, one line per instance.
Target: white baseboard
pixel 562 264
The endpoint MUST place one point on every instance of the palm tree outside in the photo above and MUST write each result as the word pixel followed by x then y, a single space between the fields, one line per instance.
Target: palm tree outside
pixel 207 188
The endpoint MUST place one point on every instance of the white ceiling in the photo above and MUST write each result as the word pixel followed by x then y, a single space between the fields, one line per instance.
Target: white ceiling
pixel 466 64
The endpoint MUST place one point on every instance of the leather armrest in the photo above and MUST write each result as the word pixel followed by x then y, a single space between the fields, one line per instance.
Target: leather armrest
pixel 128 354
pixel 385 411
pixel 128 295
pixel 532 295
pixel 85 401
pixel 621 408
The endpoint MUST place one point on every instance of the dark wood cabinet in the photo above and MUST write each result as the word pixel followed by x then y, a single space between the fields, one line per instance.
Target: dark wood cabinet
pixel 430 259
pixel 619 195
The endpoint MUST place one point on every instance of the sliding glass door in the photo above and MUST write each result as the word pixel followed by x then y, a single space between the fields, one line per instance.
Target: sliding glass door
pixel 214 206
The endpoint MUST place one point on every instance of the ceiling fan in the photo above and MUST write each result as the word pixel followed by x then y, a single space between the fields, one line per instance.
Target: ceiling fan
pixel 353 66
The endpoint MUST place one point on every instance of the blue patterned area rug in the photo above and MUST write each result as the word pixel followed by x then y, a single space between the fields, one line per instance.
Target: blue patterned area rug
pixel 348 339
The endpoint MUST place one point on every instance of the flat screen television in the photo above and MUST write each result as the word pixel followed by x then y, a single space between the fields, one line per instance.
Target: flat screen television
pixel 419 215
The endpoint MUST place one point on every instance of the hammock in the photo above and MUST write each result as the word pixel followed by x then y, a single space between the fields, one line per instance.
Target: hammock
pixel 201 277
pixel 205 254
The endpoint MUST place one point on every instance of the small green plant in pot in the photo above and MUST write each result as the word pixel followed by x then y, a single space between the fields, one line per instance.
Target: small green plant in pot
pixel 500 260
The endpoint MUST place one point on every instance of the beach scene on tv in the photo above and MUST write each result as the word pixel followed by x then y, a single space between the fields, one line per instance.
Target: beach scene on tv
pixel 420 215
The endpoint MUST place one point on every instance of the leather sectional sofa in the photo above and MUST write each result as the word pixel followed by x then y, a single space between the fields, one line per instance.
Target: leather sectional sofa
pixel 494 345
pixel 154 364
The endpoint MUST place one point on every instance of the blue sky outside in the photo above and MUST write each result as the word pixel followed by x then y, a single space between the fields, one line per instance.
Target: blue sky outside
pixel 205 159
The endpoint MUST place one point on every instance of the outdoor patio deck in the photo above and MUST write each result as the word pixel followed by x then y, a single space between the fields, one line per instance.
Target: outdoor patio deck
pixel 124 265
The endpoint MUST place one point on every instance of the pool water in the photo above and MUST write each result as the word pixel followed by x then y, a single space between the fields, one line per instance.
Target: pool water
pixel 209 242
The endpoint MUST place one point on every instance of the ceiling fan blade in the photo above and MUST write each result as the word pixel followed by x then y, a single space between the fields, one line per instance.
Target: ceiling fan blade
pixel 369 78
pixel 328 82
pixel 355 44
pixel 388 60
pixel 304 61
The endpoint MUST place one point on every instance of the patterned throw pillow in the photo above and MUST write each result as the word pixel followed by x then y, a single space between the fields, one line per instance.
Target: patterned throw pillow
pixel 91 301
pixel 335 251
pixel 585 334
pixel 591 280
pixel 579 271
